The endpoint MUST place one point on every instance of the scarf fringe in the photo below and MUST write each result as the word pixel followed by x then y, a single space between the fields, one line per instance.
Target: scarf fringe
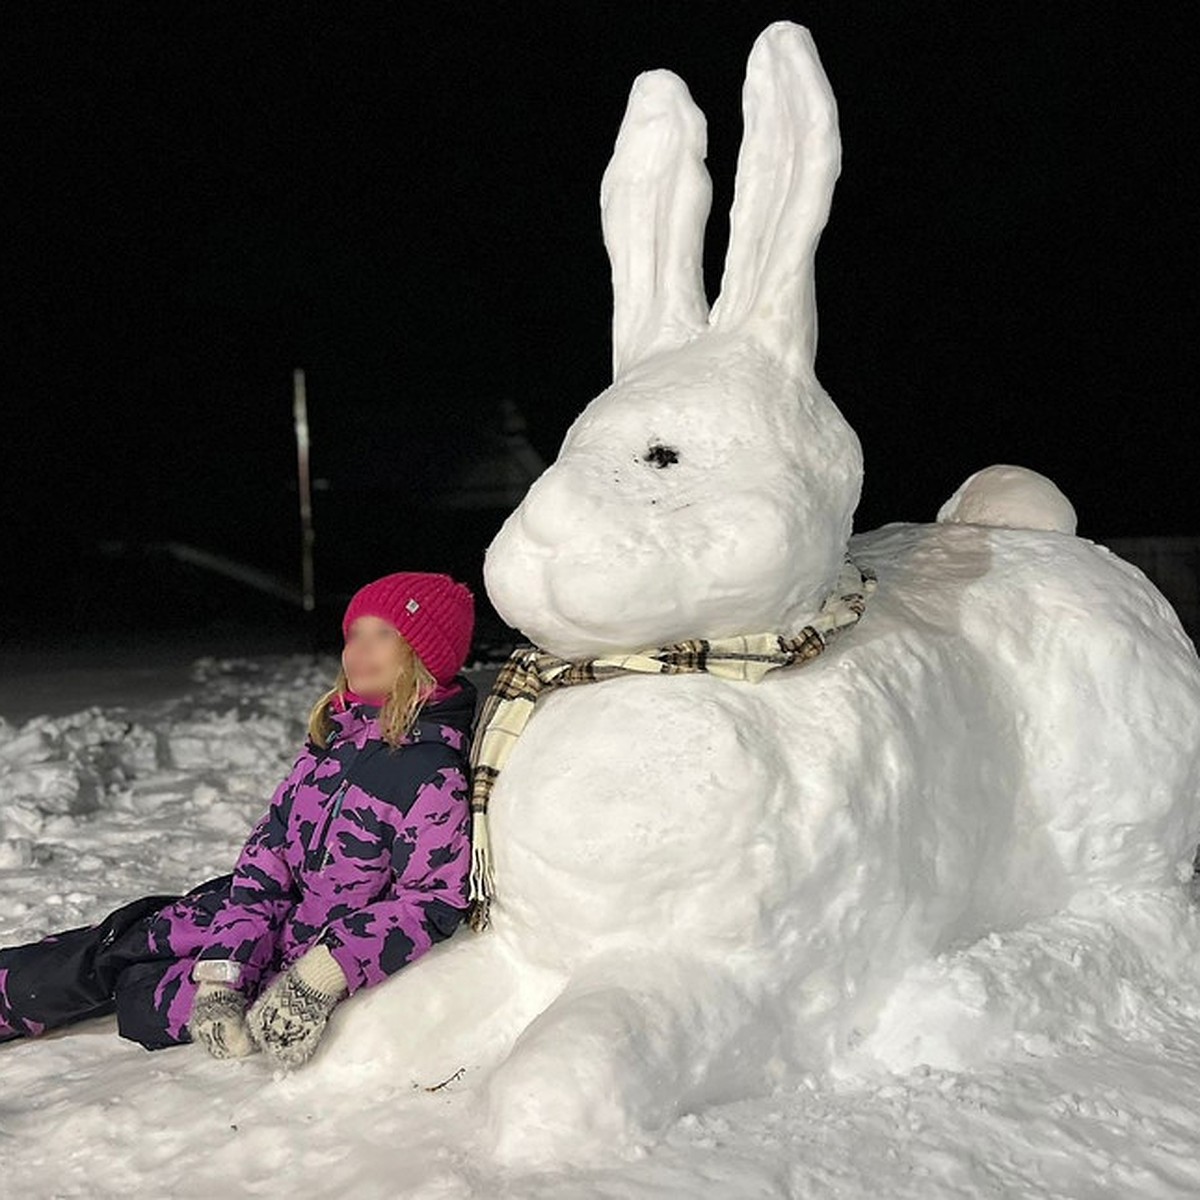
pixel 529 670
pixel 483 879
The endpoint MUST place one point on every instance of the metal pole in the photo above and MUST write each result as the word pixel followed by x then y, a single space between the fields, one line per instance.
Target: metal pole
pixel 307 586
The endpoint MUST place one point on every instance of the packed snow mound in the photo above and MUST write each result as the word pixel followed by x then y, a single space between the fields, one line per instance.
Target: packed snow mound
pixel 1015 497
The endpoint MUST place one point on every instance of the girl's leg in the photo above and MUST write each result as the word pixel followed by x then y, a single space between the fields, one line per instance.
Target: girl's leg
pixel 69 976
pixel 154 994
pixel 81 973
pixel 154 1002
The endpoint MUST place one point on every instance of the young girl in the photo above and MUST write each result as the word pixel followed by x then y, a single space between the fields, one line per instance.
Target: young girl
pixel 358 866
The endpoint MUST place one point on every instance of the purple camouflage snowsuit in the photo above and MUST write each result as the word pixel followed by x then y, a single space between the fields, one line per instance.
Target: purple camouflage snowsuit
pixel 364 847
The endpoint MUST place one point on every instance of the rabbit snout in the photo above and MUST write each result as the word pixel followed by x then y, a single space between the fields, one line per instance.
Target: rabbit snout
pixel 555 510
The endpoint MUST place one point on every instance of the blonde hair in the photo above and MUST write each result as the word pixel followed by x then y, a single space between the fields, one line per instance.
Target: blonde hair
pixel 399 711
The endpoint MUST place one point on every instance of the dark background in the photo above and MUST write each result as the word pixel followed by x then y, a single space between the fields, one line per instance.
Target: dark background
pixel 403 200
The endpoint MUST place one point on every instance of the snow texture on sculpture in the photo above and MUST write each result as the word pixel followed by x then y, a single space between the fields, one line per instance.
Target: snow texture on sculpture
pixel 707 889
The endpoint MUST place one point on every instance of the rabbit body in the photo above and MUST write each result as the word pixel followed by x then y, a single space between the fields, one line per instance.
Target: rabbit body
pixel 1000 736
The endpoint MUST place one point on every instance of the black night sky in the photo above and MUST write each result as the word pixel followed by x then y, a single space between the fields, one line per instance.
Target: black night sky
pixel 403 200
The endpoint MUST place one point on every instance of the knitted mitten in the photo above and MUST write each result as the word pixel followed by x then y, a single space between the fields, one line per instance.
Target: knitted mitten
pixel 288 1019
pixel 218 1021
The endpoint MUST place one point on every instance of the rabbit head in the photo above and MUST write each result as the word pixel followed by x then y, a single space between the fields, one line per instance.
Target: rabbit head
pixel 710 490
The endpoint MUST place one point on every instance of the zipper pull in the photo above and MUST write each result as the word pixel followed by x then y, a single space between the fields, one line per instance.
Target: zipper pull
pixel 339 796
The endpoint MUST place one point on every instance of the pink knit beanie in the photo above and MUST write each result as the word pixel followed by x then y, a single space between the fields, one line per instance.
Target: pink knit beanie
pixel 434 614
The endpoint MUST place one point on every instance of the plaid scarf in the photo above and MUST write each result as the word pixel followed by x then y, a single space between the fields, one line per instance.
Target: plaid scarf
pixel 529 671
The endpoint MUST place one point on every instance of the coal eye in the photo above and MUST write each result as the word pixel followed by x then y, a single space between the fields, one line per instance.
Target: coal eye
pixel 661 456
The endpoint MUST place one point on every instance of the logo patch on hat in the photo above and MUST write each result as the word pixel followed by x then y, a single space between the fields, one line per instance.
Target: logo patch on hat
pixel 412 606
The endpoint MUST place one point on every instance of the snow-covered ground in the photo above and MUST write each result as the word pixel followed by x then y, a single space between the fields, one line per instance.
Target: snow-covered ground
pixel 1058 1059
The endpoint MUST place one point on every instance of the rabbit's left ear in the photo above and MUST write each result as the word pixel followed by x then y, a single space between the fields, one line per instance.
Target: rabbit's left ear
pixel 654 202
pixel 787 166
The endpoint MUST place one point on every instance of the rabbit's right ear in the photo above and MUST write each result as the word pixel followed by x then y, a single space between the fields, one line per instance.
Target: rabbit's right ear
pixel 654 202
pixel 787 166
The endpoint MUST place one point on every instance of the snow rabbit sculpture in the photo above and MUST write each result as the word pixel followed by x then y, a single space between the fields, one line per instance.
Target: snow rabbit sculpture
pixel 706 888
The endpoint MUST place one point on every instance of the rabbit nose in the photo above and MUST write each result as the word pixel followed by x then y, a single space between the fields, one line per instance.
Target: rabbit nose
pixel 555 508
